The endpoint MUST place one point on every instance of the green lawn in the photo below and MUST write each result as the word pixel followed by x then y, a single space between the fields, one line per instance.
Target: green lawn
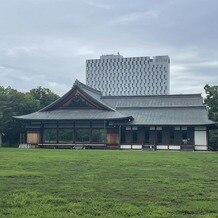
pixel 90 183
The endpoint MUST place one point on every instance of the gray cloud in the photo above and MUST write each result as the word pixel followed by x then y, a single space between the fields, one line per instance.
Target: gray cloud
pixel 46 42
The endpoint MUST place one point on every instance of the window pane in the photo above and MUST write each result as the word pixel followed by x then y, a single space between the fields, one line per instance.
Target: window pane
pixel 65 135
pixel 159 137
pixel 184 137
pixel 50 136
pixel 135 136
pixel 82 135
pixel 184 134
pixel 171 136
pixel 147 139
pixel 98 135
pixel 123 135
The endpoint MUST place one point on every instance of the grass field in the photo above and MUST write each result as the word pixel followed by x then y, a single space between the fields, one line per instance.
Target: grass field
pixel 90 183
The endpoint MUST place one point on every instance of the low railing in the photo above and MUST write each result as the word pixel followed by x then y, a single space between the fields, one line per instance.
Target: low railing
pixel 165 147
pixel 122 146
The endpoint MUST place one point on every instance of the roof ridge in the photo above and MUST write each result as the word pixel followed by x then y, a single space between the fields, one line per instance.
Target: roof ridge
pixel 164 107
pixel 82 85
pixel 150 96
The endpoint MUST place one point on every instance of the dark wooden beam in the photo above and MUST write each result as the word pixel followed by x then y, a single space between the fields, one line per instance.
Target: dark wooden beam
pixel 90 134
pixel 74 132
pixel 105 133
pixel 57 132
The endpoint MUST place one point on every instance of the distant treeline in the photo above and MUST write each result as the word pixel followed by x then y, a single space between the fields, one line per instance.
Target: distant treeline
pixel 13 103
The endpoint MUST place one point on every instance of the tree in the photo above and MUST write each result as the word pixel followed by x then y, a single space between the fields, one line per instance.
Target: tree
pixel 15 103
pixel 44 95
pixel 5 117
pixel 5 112
pixel 211 101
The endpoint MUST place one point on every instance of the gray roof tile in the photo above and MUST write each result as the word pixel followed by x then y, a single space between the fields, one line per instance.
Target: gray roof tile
pixel 146 110
pixel 81 114
pixel 168 116
pixel 154 101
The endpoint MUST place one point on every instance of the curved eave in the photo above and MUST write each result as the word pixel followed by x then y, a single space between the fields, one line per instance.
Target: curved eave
pixel 172 124
pixel 74 115
pixel 32 119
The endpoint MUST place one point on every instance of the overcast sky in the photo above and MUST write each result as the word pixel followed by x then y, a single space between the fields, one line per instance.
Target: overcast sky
pixel 46 42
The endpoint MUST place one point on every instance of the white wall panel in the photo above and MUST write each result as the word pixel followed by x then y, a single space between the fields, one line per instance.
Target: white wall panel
pixel 174 147
pixel 201 148
pixel 162 147
pixel 200 138
pixel 125 146
pixel 136 146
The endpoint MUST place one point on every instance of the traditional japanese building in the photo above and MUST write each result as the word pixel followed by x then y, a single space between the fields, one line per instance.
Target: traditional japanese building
pixel 84 118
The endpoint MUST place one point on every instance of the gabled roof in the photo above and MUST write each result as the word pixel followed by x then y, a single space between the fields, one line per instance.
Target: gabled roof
pixel 83 102
pixel 80 103
pixel 91 96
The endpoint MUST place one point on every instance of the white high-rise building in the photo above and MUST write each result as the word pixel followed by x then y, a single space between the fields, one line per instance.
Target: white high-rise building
pixel 116 75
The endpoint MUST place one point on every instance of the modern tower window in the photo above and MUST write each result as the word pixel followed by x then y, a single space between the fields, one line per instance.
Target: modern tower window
pixel 137 70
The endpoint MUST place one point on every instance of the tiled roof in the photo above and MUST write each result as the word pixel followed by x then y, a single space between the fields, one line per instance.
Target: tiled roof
pixel 154 101
pixel 94 96
pixel 82 114
pixel 145 110
pixel 168 116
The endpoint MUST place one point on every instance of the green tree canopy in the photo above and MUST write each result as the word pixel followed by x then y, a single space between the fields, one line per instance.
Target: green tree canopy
pixel 211 101
pixel 14 103
pixel 44 95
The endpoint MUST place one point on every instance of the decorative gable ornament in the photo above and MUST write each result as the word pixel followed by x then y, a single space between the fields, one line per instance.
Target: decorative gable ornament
pixel 77 101
pixel 79 97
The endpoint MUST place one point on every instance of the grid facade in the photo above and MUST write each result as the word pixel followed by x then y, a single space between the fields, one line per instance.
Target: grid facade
pixel 117 76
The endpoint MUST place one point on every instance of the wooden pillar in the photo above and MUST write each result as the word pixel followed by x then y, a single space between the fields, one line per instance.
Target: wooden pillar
pixel 105 134
pixel 155 138
pixel 208 135
pixel 119 135
pixel 90 139
pixel 74 133
pixel 57 132
pixel 21 138
pixel 42 132
pixel 132 137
